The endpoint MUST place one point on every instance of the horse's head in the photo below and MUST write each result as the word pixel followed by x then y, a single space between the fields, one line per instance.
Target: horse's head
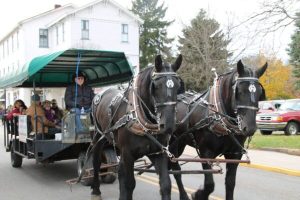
pixel 163 89
pixel 247 93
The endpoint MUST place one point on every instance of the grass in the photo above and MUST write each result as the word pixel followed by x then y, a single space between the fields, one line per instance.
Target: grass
pixel 276 140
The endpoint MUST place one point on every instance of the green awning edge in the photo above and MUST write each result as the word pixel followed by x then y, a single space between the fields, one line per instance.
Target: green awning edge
pixel 44 66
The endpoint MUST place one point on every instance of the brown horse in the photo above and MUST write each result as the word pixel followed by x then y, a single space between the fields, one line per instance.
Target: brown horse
pixel 145 110
pixel 220 125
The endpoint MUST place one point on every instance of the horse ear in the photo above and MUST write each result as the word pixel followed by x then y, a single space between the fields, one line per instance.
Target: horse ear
pixel 240 67
pixel 263 95
pixel 158 63
pixel 261 70
pixel 177 63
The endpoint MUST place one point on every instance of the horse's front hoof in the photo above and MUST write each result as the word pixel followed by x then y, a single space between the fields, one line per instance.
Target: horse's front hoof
pixel 193 195
pixel 96 197
pixel 184 197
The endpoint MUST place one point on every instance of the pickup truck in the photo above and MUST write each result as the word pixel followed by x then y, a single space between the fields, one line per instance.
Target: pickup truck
pixel 286 118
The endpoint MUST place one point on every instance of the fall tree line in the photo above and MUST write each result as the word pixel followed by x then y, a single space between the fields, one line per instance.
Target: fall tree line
pixel 205 45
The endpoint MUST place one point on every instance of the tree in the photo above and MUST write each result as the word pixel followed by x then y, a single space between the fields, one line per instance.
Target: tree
pixel 153 31
pixel 294 53
pixel 203 47
pixel 277 80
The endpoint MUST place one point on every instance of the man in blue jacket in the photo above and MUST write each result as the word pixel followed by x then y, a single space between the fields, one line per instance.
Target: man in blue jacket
pixel 78 98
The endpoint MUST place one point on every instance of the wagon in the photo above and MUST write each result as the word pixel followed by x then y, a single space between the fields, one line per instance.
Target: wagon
pixel 102 68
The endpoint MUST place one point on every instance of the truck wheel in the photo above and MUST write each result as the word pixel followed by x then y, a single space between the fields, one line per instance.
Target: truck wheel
pixel 265 132
pixel 16 160
pixel 80 164
pixel 291 128
pixel 109 156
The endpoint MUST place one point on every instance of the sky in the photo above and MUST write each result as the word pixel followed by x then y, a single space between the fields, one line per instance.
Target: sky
pixel 183 11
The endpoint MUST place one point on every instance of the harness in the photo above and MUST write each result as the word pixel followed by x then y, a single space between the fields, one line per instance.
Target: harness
pixel 135 118
pixel 228 124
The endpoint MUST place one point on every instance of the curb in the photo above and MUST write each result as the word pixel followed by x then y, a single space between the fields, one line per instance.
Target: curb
pixel 272 169
pixel 295 152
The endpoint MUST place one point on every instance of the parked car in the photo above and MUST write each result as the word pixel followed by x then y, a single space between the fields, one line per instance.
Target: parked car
pixel 286 118
pixel 269 106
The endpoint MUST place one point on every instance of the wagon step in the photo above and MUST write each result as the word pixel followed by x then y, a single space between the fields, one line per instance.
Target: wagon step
pixel 89 173
pixel 75 180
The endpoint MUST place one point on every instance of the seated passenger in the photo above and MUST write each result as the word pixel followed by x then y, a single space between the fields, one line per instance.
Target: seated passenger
pixel 43 125
pixel 58 112
pixel 18 109
pixel 49 112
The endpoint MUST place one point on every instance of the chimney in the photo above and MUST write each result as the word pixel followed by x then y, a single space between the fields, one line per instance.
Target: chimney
pixel 57 6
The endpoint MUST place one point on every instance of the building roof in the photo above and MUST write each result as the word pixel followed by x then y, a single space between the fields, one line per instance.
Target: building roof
pixel 35 17
pixel 125 10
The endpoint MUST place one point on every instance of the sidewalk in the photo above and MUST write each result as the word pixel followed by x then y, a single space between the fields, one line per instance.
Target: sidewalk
pixel 267 160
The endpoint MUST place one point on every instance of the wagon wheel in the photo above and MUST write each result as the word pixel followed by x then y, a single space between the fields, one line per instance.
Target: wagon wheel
pixel 16 160
pixel 109 156
pixel 80 164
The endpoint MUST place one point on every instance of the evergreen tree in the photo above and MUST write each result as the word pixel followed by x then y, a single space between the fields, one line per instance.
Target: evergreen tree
pixel 153 31
pixel 294 52
pixel 203 47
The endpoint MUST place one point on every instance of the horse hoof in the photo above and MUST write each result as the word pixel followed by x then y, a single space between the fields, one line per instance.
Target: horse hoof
pixel 193 195
pixel 96 197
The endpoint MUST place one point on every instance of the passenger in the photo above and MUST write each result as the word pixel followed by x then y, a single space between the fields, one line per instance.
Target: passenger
pixel 18 109
pixel 58 112
pixel 49 112
pixel 44 126
pixel 78 97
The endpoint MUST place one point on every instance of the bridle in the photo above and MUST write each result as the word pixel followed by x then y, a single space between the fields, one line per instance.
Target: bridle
pixel 227 121
pixel 252 90
pixel 170 85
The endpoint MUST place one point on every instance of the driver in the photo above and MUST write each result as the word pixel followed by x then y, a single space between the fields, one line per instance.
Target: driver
pixel 78 98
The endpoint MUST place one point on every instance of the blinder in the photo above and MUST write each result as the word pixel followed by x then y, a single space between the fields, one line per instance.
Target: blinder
pixel 252 89
pixel 169 83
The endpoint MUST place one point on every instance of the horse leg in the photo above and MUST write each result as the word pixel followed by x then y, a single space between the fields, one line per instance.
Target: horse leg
pixel 182 193
pixel 126 176
pixel 161 166
pixel 177 151
pixel 230 178
pixel 96 194
pixel 209 185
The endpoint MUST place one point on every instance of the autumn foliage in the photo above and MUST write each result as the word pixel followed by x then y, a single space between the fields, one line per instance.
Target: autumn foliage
pixel 277 80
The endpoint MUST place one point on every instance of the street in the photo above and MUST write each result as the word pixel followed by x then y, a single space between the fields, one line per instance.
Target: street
pixel 36 181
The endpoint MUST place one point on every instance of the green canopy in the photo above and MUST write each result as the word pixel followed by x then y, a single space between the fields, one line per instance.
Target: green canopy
pixel 56 69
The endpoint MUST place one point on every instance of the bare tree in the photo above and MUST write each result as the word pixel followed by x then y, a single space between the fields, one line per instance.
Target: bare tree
pixel 274 15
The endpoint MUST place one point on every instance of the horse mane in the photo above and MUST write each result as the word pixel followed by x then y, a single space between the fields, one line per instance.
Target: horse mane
pixel 144 92
pixel 227 91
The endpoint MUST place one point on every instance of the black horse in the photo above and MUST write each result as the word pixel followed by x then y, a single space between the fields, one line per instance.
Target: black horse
pixel 140 119
pixel 220 125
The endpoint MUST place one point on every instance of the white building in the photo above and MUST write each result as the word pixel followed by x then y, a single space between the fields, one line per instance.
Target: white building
pixel 101 25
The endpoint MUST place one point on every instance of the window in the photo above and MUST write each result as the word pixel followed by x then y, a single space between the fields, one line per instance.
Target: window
pixel 7 47
pixel 43 34
pixel 63 32
pixel 124 32
pixel 56 31
pixel 12 43
pixel 84 29
pixel 17 39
